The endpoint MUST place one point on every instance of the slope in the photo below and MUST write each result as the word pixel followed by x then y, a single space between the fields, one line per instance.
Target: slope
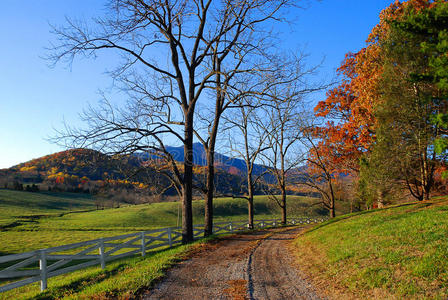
pixel 16 206
pixel 394 253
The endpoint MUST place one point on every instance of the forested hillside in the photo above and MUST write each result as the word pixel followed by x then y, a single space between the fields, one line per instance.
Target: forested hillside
pixel 79 170
pixel 90 171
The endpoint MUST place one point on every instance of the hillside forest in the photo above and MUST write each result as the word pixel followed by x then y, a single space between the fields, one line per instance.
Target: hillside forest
pixel 238 107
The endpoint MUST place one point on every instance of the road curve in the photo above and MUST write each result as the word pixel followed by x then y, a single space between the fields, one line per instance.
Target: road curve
pixel 245 266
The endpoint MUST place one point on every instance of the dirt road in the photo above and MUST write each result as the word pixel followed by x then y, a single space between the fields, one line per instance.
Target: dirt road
pixel 247 266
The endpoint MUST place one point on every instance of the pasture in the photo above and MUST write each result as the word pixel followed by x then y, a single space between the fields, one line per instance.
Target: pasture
pixel 27 225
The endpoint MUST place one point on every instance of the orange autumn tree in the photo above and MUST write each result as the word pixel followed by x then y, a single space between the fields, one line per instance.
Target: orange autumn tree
pixel 348 133
pixel 349 109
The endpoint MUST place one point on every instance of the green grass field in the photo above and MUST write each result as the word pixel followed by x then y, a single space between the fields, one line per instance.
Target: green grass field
pixel 55 222
pixel 395 253
pixel 122 279
pixel 15 205
pixel 38 220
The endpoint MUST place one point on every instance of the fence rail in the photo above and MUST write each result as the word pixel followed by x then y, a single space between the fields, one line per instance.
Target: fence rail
pixel 40 265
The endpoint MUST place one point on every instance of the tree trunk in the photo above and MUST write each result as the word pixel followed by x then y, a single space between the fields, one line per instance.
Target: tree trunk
pixel 208 224
pixel 332 208
pixel 380 200
pixel 187 186
pixel 283 205
pixel 250 201
pixel 422 175
pixel 427 191
pixel 428 177
pixel 332 211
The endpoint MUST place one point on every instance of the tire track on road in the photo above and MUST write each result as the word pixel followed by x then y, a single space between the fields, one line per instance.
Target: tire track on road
pixel 258 265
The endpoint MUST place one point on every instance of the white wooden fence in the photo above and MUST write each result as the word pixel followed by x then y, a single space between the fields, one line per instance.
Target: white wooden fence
pixel 17 270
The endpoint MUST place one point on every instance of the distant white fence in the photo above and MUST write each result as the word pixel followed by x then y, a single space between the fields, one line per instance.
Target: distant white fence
pixel 17 270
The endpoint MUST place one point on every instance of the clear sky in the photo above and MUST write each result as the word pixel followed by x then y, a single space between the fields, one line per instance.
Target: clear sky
pixel 35 99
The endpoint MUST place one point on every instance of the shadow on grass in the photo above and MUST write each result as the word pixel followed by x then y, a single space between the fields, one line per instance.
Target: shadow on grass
pixel 120 265
pixel 96 277
pixel 80 284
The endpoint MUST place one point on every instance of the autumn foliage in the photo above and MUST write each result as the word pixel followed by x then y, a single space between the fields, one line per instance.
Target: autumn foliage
pixel 348 110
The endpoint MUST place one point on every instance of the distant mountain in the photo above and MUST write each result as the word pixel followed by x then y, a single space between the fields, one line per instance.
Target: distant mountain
pixel 81 170
pixel 84 170
pixel 234 166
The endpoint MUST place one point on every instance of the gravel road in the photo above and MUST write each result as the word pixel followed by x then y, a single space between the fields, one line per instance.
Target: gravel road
pixel 245 266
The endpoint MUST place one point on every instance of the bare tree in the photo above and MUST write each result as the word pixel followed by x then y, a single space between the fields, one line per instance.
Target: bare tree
pixel 282 157
pixel 211 121
pixel 248 142
pixel 250 57
pixel 286 113
pixel 163 95
pixel 245 90
pixel 247 78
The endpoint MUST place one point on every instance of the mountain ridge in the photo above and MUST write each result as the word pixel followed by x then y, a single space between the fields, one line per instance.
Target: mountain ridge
pixel 86 170
pixel 232 165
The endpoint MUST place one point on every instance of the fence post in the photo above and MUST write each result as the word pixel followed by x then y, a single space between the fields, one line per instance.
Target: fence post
pixel 143 244
pixel 43 270
pixel 102 258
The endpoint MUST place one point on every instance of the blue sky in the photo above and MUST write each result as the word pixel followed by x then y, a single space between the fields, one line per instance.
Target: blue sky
pixel 35 99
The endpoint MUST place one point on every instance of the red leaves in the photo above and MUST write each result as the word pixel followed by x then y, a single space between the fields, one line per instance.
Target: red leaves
pixel 349 108
pixel 346 134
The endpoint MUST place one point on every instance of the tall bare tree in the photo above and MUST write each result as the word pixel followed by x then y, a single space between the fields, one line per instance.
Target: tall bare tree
pixel 250 131
pixel 286 113
pixel 282 157
pixel 167 48
pixel 248 142
pixel 233 87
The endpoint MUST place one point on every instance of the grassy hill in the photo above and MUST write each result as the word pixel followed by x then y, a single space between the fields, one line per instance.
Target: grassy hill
pixel 394 253
pixel 16 206
pixel 39 220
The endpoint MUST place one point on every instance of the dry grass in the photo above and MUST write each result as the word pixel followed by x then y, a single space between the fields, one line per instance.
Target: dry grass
pixel 237 289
